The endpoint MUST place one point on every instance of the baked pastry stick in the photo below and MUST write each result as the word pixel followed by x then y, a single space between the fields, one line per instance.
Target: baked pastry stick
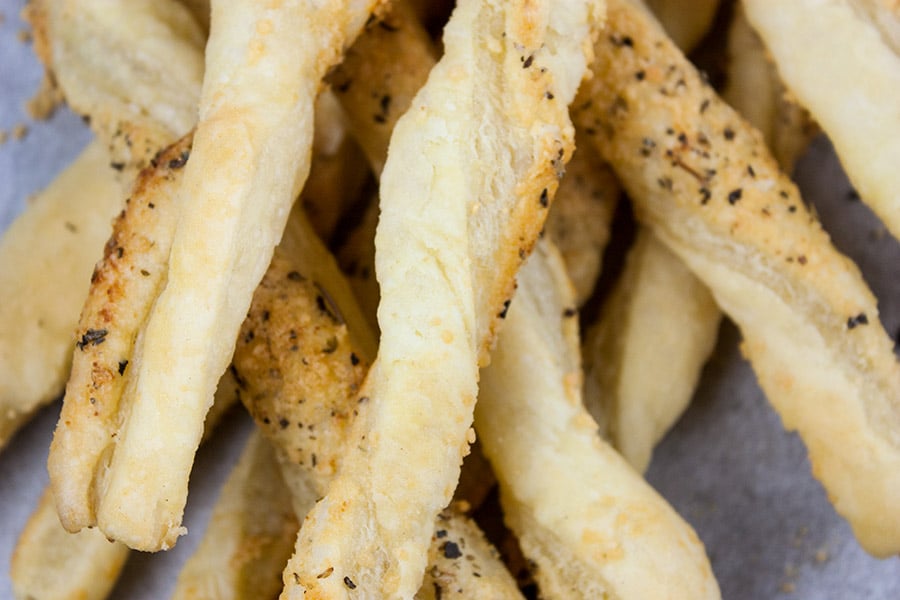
pixel 856 104
pixel 122 289
pixel 253 139
pixel 49 562
pixel 659 305
pixel 470 167
pixel 46 257
pixel 249 536
pixel 591 524
pixel 702 178
pixel 300 374
pixel 659 319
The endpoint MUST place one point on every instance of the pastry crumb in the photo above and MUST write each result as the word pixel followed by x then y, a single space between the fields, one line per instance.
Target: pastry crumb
pixel 19 131
pixel 45 101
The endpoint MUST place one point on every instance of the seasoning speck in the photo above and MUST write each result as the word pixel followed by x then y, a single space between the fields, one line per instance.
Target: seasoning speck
pixel 91 337
pixel 502 313
pixel 451 550
pixel 180 161
pixel 860 319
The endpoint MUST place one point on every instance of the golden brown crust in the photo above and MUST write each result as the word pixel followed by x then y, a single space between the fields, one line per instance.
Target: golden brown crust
pixel 703 179
pixel 123 286
pixel 298 371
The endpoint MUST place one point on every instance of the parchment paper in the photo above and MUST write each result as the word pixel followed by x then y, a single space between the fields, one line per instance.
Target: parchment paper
pixel 728 467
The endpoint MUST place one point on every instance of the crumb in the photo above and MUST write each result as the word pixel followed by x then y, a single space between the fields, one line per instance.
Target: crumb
pixel 19 131
pixel 3 137
pixel 799 535
pixel 45 101
pixel 791 571
pixel 24 36
pixel 2 18
pixel 788 588
pixel 822 555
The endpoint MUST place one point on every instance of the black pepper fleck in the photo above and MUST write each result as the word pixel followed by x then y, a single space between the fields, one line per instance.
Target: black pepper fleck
pixel 502 313
pixel 451 550
pixel 349 583
pixel 735 195
pixel 180 161
pixel 122 365
pixel 92 337
pixel 860 319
